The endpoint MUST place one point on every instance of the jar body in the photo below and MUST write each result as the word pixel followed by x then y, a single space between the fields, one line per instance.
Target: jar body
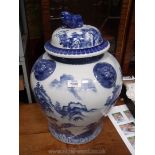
pixel 76 96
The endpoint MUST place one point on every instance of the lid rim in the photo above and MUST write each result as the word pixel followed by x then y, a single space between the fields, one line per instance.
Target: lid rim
pixel 77 53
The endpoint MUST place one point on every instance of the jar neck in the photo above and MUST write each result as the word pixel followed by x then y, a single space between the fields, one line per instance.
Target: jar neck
pixel 77 61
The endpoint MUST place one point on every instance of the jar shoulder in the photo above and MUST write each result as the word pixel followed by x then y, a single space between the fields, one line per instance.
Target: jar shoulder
pixel 106 57
pixel 46 66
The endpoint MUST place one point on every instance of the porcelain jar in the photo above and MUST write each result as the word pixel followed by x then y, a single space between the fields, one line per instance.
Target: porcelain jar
pixel 76 81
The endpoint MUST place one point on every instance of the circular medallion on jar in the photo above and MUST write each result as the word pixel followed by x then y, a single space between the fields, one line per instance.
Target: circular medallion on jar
pixel 43 69
pixel 105 74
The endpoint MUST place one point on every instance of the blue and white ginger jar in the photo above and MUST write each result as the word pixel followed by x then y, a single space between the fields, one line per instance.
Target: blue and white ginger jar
pixel 76 81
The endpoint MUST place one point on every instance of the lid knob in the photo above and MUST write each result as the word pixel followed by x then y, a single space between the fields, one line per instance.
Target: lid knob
pixel 70 20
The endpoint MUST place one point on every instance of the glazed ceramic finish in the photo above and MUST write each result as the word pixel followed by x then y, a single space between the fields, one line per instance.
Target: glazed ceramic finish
pixel 76 81
pixel 76 96
pixel 74 35
pixel 76 53
pixel 85 37
pixel 71 20
pixel 76 40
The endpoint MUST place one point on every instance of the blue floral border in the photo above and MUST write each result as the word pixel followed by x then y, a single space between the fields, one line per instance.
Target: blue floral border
pixel 57 50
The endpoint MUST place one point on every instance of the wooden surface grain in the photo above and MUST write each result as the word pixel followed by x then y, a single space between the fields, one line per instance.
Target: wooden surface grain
pixel 35 138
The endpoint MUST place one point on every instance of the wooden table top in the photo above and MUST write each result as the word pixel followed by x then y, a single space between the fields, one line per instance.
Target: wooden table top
pixel 35 138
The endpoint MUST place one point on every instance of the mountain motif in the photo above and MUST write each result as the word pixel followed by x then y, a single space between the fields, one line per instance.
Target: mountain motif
pixel 52 119
pixel 73 111
pixel 43 98
pixel 59 130
pixel 67 125
pixel 90 129
pixel 115 93
pixel 93 126
pixel 63 82
pixel 86 85
pixel 63 125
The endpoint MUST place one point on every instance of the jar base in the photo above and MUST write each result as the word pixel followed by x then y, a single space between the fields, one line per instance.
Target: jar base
pixel 84 138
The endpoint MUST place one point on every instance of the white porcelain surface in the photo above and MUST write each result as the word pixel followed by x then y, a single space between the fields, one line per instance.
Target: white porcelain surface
pixel 91 99
pixel 76 81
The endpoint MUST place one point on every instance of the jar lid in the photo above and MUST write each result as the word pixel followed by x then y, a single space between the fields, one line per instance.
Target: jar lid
pixel 76 40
